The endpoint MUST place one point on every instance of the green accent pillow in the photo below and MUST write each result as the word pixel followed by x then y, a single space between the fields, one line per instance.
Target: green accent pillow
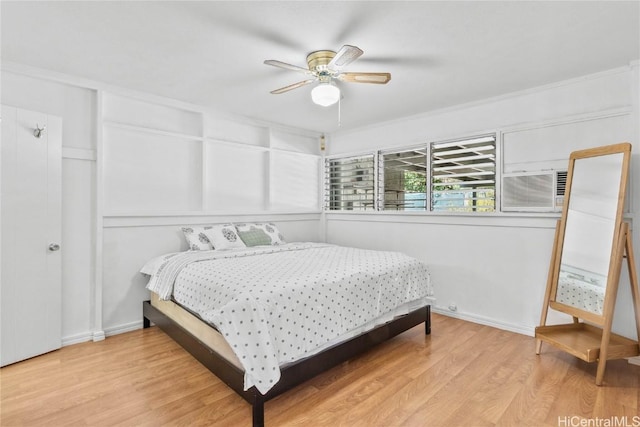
pixel 255 237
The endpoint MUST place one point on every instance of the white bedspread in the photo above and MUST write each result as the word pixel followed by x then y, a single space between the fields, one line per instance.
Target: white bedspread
pixel 274 304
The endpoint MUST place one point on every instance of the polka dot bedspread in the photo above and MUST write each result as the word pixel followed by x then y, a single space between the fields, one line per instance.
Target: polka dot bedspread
pixel 274 304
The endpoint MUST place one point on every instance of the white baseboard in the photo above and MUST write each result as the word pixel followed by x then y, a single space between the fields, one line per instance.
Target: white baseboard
pixel 96 336
pixel 77 339
pixel 83 337
pixel 121 329
pixel 519 329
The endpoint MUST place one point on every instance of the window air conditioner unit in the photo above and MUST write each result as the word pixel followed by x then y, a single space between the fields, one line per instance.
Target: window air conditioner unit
pixel 533 191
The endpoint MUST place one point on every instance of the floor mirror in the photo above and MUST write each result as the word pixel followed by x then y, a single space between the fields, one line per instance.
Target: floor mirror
pixel 591 241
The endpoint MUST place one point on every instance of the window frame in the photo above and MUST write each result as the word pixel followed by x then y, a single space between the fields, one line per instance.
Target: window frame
pixel 381 177
pixel 491 159
pixel 366 205
pixel 378 170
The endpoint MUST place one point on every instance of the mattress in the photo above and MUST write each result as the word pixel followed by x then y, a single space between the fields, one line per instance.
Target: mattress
pixel 276 305
pixel 196 327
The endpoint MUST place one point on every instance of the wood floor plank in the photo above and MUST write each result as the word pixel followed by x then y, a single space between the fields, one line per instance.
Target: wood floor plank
pixel 488 401
pixel 471 375
pixel 462 374
pixel 533 402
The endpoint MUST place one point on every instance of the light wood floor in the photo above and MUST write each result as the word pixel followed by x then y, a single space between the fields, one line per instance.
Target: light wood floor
pixel 463 374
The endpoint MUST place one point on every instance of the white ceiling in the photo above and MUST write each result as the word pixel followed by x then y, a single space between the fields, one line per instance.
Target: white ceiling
pixel 211 53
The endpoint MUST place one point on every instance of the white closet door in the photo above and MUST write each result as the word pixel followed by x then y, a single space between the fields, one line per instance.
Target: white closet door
pixel 30 217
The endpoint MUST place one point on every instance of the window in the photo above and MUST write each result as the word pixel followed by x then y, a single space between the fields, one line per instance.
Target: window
pixel 402 181
pixel 350 183
pixel 463 175
pixel 450 176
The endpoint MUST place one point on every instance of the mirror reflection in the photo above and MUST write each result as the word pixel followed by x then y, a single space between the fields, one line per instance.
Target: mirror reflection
pixel 589 232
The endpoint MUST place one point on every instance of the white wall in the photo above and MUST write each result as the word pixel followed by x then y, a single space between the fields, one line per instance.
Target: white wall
pixel 137 167
pixel 494 267
pixel 538 106
pixel 129 242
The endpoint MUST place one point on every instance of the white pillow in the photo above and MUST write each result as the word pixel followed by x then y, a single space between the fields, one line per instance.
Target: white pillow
pixel 224 236
pixel 196 239
pixel 269 228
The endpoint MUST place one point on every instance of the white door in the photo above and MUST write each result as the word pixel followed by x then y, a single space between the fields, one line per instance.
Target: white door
pixel 30 217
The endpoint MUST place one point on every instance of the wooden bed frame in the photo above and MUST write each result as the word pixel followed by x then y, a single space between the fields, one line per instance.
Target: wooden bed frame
pixel 291 374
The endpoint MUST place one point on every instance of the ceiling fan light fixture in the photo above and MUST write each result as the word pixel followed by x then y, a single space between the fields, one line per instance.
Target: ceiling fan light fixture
pixel 325 94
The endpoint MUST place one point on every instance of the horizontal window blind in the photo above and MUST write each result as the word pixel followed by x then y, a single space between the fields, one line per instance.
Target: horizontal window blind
pixel 463 175
pixel 561 182
pixel 350 183
pixel 402 180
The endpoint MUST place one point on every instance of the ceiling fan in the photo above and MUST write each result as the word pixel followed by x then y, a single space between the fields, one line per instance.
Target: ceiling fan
pixel 325 66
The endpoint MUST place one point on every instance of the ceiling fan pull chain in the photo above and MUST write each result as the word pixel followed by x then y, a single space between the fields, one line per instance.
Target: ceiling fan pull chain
pixel 339 112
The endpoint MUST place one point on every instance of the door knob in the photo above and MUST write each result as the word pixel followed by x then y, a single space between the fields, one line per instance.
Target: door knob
pixel 54 247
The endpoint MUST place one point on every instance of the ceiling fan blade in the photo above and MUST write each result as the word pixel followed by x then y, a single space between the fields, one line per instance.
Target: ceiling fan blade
pixel 286 66
pixel 376 78
pixel 293 86
pixel 345 56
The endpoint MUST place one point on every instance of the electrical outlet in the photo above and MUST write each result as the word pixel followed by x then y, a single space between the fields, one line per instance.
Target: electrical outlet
pixel 453 307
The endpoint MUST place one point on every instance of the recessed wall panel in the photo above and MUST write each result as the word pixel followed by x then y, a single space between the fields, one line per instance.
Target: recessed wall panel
pixel 294 181
pixel 121 109
pixel 549 147
pixel 235 131
pixel 150 173
pixel 235 177
pixel 290 141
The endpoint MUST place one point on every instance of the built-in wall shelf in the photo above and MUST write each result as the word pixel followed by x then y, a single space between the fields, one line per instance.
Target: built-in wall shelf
pixel 245 145
pixel 159 132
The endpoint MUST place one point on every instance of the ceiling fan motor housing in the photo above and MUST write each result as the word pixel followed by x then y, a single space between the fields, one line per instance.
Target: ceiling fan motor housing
pixel 319 59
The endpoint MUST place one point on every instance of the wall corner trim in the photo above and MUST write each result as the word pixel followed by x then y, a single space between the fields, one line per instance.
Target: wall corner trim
pixel 98 336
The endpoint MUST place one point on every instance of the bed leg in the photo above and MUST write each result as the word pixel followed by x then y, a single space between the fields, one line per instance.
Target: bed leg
pixel 427 322
pixel 146 323
pixel 258 410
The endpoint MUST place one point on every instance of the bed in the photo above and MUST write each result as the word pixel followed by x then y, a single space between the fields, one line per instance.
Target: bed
pixel 264 319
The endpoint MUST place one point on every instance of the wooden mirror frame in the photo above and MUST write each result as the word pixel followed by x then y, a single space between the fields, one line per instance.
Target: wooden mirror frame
pixel 593 340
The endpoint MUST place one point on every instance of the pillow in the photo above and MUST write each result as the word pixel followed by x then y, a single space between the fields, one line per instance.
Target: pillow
pixel 196 239
pixel 270 235
pixel 224 236
pixel 276 237
pixel 255 237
